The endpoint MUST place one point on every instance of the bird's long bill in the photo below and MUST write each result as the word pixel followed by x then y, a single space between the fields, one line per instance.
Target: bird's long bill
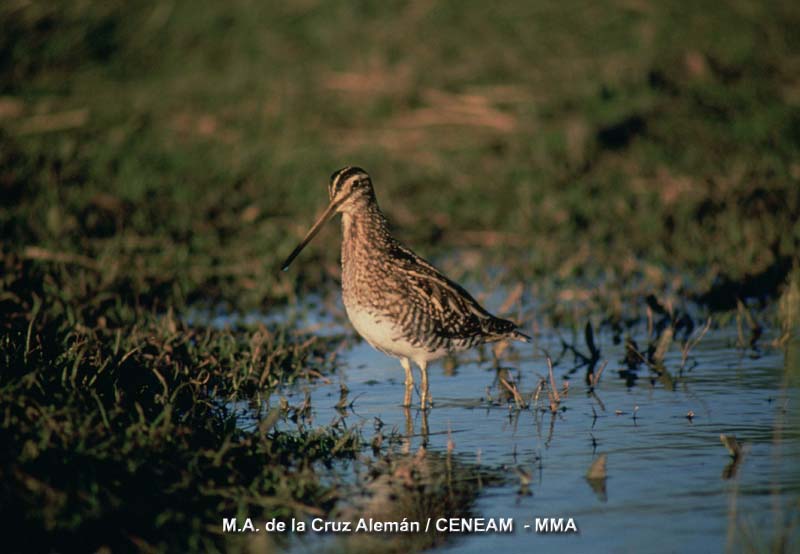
pixel 329 212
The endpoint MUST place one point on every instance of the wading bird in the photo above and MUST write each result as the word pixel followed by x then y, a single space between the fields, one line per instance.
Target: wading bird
pixel 399 303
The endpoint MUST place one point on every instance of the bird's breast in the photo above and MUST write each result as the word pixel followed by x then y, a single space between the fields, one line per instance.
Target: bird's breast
pixel 378 330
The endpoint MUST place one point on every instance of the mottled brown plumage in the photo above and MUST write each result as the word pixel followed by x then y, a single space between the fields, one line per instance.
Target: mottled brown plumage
pixel 397 301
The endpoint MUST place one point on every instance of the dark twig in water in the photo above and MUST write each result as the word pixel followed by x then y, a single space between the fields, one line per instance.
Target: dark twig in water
pixel 596 476
pixel 512 388
pixel 736 452
pixel 692 342
pixel 555 398
pixel 595 377
pixel 756 330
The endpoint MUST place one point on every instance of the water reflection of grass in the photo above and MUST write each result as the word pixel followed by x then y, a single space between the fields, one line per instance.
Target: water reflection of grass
pixel 156 157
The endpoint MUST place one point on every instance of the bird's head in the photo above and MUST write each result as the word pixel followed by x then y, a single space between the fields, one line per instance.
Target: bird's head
pixel 350 189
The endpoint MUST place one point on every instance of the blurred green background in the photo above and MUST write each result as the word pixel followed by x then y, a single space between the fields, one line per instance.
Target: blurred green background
pixel 181 148
pixel 160 156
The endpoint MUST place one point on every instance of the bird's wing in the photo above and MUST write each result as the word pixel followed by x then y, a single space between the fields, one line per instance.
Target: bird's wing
pixel 457 311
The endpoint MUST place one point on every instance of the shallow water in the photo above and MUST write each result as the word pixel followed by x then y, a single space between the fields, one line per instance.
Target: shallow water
pixel 665 489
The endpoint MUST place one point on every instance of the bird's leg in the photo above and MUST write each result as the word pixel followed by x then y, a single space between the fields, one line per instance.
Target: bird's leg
pixel 424 428
pixel 409 382
pixel 425 393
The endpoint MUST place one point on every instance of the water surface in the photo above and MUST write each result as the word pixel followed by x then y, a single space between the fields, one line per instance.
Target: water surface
pixel 670 484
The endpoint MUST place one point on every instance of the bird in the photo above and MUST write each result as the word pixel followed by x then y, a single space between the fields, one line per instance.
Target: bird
pixel 397 301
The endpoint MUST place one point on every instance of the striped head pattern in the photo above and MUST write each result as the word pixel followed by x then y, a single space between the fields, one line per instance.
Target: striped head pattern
pixel 350 186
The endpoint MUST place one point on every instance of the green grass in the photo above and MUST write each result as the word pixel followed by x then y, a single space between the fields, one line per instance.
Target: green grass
pixel 115 437
pixel 159 157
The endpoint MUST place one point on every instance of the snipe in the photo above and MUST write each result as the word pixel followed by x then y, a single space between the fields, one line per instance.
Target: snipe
pixel 398 302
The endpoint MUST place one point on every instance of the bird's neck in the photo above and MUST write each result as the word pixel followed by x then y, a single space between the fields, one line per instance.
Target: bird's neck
pixel 365 231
